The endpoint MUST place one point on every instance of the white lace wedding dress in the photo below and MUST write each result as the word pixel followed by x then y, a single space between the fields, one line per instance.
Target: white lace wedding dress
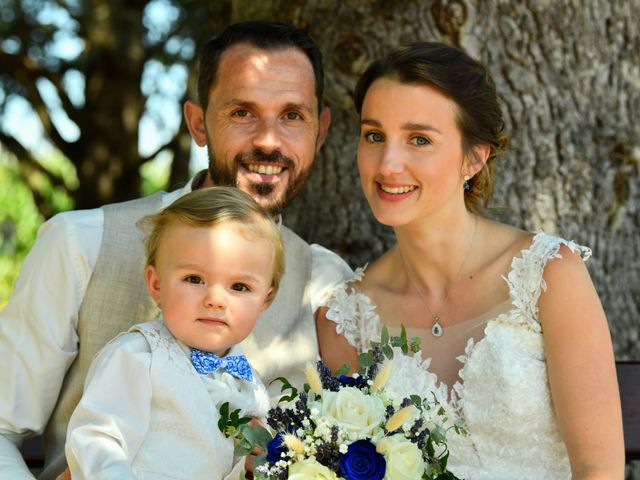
pixel 502 394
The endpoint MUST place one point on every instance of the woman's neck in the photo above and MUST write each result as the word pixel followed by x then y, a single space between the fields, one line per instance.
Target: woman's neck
pixel 434 255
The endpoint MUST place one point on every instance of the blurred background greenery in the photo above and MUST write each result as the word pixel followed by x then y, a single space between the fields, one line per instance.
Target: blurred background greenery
pixel 19 214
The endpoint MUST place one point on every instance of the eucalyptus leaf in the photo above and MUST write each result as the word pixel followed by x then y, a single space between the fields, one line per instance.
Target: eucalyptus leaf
pixel 384 336
pixel 365 360
pixel 387 350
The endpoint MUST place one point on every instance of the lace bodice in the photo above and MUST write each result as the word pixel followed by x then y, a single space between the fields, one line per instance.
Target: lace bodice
pixel 502 394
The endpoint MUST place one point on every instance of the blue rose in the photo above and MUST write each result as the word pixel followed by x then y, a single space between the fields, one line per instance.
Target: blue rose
pixel 275 448
pixel 347 381
pixel 362 462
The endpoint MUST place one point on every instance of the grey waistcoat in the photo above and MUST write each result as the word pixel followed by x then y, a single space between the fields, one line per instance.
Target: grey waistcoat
pixel 283 340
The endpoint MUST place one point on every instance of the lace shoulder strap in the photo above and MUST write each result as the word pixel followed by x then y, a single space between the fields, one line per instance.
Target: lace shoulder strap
pixel 525 279
pixel 354 313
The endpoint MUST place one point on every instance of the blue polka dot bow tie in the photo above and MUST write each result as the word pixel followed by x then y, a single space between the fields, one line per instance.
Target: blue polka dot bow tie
pixel 236 365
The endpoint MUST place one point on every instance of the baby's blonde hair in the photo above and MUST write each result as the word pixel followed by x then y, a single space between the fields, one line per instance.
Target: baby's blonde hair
pixel 213 206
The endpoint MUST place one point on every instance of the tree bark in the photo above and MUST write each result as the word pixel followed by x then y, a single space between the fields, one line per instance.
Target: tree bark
pixel 568 76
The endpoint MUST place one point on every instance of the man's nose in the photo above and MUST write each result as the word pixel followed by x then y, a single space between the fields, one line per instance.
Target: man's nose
pixel 267 137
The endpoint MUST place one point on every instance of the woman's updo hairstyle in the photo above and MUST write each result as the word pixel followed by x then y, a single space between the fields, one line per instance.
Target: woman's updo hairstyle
pixel 464 81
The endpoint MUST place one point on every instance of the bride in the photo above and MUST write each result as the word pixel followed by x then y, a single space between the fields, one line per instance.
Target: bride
pixel 512 330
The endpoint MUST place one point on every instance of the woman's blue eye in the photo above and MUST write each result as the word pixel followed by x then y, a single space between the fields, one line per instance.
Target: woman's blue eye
pixel 420 141
pixel 374 137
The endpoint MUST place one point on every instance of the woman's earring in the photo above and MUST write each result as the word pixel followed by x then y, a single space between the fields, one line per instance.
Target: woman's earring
pixel 466 182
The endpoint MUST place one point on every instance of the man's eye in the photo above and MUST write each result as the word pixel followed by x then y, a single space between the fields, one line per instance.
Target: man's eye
pixel 241 113
pixel 240 287
pixel 195 279
pixel 420 141
pixel 293 116
pixel 374 137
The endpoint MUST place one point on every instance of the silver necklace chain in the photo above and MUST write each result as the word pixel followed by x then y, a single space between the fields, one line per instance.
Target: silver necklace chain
pixel 436 328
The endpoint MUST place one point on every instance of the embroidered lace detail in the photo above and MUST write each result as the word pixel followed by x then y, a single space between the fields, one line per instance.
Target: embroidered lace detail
pixel 354 313
pixel 503 394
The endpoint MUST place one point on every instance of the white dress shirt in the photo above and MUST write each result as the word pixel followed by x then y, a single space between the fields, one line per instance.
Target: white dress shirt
pixel 38 338
pixel 108 430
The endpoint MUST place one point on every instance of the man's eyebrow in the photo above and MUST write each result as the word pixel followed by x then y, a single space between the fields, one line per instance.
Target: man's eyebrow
pixel 298 106
pixel 236 102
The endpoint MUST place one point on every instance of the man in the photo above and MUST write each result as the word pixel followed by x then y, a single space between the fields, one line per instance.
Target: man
pixel 261 117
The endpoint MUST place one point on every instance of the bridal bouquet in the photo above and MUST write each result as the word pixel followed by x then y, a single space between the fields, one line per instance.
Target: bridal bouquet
pixel 350 427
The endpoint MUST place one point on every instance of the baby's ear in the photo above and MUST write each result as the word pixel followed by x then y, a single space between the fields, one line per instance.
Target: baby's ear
pixel 268 299
pixel 153 282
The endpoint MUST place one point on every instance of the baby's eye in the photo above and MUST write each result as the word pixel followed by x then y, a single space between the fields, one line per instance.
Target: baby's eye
pixel 420 141
pixel 374 137
pixel 195 279
pixel 240 287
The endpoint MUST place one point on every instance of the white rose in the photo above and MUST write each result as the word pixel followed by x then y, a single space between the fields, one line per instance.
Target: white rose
pixel 404 458
pixel 359 415
pixel 310 469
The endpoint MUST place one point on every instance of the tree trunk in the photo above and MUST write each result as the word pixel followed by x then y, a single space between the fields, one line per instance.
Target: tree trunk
pixel 567 73
pixel 569 78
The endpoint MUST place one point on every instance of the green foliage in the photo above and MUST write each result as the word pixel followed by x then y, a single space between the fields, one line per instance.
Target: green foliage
pixel 286 386
pixel 387 343
pixel 155 174
pixel 250 437
pixel 19 216
pixel 230 421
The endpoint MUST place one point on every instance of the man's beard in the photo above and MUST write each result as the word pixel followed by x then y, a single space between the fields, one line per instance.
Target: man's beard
pixel 227 175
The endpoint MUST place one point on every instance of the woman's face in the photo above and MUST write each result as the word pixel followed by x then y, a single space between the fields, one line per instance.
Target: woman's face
pixel 409 153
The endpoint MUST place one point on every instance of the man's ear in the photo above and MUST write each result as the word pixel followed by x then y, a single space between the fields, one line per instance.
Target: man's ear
pixel 325 121
pixel 153 282
pixel 194 118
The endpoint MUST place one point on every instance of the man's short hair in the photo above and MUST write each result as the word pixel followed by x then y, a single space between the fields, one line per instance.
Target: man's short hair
pixel 261 34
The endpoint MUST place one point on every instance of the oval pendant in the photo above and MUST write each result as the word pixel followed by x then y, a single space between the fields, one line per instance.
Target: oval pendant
pixel 436 330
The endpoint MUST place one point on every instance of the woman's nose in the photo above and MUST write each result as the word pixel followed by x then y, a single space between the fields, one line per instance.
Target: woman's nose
pixel 390 160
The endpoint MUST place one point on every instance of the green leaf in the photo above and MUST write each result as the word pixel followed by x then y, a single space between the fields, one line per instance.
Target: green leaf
pixel 416 400
pixel 384 338
pixel 257 435
pixel 387 350
pixel 403 335
pixel 429 447
pixel 365 360
pixel 285 386
pixel 224 417
pixel 414 344
pixel 343 369
pixel 242 448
